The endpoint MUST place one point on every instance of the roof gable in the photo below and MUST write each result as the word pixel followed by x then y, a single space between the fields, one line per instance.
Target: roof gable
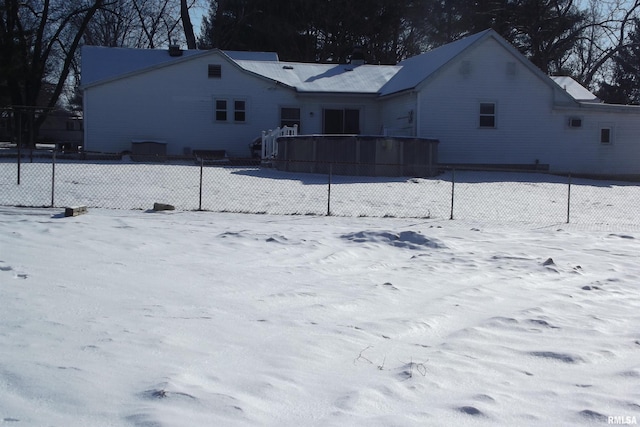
pixel 418 68
pixel 106 63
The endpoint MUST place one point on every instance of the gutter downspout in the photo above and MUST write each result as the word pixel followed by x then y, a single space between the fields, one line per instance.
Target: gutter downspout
pixel 84 120
pixel 417 116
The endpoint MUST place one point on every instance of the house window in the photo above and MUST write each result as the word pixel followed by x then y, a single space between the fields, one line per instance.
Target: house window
pixel 215 71
pixel 575 122
pixel 239 110
pixel 487 115
pixel 74 125
pixel 221 110
pixel 290 117
pixel 606 135
pixel 341 121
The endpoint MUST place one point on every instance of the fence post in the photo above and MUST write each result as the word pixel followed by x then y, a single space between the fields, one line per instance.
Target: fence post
pixel 19 126
pixel 53 177
pixel 329 190
pixel 200 197
pixel 453 189
pixel 569 199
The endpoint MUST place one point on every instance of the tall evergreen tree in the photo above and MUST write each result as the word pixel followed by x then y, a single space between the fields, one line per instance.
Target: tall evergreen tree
pixel 303 30
pixel 625 85
pixel 546 31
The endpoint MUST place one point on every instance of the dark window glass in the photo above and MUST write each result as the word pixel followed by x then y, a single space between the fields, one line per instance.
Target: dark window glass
pixel 240 112
pixel 290 117
pixel 487 115
pixel 342 121
pixel 221 110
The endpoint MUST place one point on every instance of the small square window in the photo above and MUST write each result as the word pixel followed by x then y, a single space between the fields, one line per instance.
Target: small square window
pixel 575 122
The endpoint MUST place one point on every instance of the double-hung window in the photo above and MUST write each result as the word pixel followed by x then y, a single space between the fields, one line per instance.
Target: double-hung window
pixel 239 110
pixel 290 116
pixel 221 110
pixel 227 109
pixel 487 115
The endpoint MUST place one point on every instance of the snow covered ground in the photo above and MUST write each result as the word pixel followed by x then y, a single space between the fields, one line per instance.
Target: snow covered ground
pixel 140 318
pixel 495 196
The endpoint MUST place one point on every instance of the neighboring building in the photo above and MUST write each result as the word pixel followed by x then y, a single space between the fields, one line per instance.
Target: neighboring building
pixel 63 128
pixel 482 99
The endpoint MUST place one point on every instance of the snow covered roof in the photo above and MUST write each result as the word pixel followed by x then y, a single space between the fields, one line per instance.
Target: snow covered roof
pixel 99 63
pixel 575 89
pixel 418 68
pixel 336 78
pixel 103 63
pixel 366 79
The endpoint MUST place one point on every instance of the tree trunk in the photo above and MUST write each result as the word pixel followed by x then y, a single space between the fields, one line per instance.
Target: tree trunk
pixel 186 24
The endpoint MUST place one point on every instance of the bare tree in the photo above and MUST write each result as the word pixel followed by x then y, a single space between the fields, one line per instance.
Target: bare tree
pixel 38 42
pixel 144 24
pixel 610 24
pixel 186 25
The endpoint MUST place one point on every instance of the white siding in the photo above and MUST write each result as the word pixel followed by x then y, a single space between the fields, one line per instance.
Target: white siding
pixel 175 104
pixel 531 119
pixel 450 110
pixel 315 103
pixel 581 151
pixel 400 115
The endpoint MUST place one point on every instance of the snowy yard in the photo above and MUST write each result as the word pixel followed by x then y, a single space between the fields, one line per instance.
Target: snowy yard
pixel 180 318
pixel 494 196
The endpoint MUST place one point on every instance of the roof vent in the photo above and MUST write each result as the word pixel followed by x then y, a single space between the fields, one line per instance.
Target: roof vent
pixel 287 67
pixel 174 50
pixel 357 56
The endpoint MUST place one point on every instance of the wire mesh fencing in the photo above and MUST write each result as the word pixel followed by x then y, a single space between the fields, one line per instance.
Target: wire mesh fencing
pixel 323 189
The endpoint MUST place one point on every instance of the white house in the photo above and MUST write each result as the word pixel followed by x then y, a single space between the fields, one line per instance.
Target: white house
pixel 482 99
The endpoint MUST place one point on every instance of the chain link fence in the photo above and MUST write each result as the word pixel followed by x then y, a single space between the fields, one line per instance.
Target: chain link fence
pixel 49 179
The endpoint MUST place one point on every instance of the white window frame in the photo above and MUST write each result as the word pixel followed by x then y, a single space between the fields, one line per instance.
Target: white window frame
pixel 237 110
pixel 610 136
pixel 482 115
pixel 571 121
pixel 217 110
pixel 230 111
pixel 290 120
